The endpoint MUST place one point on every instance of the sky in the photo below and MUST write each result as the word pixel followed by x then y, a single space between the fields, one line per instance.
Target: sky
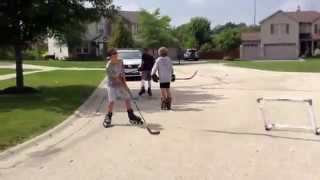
pixel 217 11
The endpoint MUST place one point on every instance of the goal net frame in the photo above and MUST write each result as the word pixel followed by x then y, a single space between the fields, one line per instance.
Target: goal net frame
pixel 269 125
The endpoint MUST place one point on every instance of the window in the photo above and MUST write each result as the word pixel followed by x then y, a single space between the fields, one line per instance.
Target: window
pixel 100 28
pixel 306 28
pixel 85 50
pixel 272 29
pixel 280 29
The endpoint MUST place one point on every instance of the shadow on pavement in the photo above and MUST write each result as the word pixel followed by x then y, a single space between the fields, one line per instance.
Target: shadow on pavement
pixel 153 126
pixel 261 134
pixel 66 99
pixel 183 101
pixel 184 63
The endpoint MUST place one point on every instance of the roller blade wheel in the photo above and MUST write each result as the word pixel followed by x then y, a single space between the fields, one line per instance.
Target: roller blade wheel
pixel 268 128
pixel 133 119
pixel 107 120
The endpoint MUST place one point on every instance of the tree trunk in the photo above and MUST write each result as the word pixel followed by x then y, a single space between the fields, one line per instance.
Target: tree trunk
pixel 19 67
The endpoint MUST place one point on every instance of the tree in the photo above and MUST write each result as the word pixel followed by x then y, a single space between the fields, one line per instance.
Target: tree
pixel 241 26
pixel 154 30
pixel 201 30
pixel 230 25
pixel 73 38
pixel 26 21
pixel 121 36
pixel 228 39
pixel 228 36
pixel 252 28
pixel 184 36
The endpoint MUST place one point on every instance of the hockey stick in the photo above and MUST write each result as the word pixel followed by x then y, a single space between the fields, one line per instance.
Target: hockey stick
pixel 152 132
pixel 188 78
pixel 102 101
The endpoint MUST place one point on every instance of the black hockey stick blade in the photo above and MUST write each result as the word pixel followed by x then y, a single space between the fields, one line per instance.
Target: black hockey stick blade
pixel 188 78
pixel 153 132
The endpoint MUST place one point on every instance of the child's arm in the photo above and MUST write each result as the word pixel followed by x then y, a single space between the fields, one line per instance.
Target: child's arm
pixel 155 68
pixel 122 77
pixel 173 76
pixel 141 66
pixel 172 70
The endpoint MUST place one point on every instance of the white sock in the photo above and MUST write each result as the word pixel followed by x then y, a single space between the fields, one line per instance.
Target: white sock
pixel 149 84
pixel 142 83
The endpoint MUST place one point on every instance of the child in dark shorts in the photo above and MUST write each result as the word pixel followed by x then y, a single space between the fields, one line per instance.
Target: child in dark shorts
pixel 163 66
pixel 145 68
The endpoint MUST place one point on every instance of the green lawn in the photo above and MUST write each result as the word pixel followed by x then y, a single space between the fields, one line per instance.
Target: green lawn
pixel 25 116
pixel 310 65
pixel 80 64
pixel 10 71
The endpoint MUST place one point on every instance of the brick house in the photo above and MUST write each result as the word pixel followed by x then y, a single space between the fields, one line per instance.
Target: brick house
pixel 283 35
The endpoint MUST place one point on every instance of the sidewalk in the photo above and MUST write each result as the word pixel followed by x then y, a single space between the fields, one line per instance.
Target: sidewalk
pixel 39 69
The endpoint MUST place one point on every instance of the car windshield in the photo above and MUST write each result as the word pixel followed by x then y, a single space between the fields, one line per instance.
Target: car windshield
pixel 130 55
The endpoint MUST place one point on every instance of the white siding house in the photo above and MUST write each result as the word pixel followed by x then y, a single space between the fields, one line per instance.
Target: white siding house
pixel 95 39
pixel 59 51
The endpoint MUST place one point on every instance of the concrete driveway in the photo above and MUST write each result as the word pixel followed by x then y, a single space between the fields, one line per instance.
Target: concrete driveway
pixel 214 132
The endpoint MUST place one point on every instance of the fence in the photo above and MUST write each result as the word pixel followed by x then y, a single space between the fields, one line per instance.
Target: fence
pixel 234 54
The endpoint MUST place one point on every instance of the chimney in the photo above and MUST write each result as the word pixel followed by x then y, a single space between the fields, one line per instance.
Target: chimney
pixel 299 8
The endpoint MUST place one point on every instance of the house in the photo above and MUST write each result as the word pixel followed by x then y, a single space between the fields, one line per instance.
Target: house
pixel 283 35
pixel 96 38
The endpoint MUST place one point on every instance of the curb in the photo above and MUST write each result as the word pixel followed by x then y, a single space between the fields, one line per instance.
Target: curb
pixel 50 133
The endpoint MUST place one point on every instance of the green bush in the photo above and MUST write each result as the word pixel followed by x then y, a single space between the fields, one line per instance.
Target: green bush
pixel 34 54
pixel 207 47
pixel 6 53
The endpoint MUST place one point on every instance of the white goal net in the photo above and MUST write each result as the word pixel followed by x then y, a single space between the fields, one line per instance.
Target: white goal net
pixel 288 114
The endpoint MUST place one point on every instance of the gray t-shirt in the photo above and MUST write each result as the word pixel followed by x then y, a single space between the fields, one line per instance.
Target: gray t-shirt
pixel 164 68
pixel 114 71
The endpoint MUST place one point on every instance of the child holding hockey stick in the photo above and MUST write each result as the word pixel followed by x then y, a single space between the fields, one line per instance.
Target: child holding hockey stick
pixel 117 88
pixel 145 68
pixel 163 66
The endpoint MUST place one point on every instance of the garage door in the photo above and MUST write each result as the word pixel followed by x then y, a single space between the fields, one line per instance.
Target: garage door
pixel 280 51
pixel 250 51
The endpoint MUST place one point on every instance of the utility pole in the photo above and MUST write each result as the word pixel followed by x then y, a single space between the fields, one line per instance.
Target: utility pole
pixel 255 12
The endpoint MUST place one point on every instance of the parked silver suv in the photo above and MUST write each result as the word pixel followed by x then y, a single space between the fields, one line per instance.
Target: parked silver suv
pixel 132 59
pixel 191 54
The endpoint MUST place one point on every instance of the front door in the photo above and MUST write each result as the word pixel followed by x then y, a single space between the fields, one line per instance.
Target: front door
pixel 306 48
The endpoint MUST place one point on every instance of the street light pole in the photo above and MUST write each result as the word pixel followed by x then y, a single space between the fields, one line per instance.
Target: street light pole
pixel 255 12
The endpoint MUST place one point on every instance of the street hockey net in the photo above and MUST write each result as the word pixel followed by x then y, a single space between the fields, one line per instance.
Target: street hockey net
pixel 270 125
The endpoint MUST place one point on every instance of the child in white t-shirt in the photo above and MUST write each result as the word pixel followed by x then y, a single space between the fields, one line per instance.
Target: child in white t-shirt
pixel 163 66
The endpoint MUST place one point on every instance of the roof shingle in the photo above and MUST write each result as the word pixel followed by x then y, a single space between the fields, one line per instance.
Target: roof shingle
pixel 304 16
pixel 131 16
pixel 250 36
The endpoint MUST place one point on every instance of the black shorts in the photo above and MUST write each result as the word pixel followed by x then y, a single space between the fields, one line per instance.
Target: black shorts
pixel 146 75
pixel 165 85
